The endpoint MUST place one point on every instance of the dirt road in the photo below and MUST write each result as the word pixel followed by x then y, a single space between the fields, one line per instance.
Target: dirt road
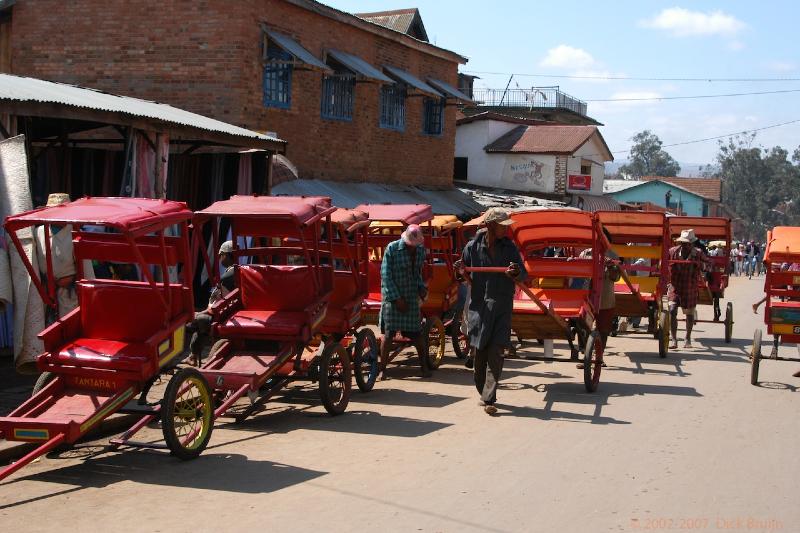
pixel 678 443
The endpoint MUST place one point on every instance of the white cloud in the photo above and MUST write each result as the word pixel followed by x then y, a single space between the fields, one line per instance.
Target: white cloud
pixel 682 22
pixel 565 56
pixel 736 46
pixel 782 66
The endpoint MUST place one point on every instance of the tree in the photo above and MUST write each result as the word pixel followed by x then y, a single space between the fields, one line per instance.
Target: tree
pixel 647 158
pixel 762 186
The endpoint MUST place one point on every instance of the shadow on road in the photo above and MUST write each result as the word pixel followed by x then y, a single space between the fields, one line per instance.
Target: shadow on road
pixel 221 472
pixel 372 423
pixel 401 397
pixel 776 385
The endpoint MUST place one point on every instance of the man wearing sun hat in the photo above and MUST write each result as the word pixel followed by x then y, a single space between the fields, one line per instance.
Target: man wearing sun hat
pixel 491 300
pixel 683 289
pixel 402 290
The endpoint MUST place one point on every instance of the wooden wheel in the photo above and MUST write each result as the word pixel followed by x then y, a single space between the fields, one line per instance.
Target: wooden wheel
pixel 728 322
pixel 187 414
pixel 663 332
pixel 335 380
pixel 592 361
pixel 365 359
pixel 437 338
pixel 755 357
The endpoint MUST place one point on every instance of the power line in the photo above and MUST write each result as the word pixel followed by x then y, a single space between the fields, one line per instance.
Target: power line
pixel 695 141
pixel 693 97
pixel 627 78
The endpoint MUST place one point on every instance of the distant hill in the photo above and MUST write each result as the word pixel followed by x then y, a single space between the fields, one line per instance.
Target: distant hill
pixel 688 170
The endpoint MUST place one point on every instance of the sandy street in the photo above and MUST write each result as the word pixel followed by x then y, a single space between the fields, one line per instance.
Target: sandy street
pixel 678 443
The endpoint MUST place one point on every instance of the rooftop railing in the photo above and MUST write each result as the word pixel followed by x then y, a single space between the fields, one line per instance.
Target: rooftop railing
pixel 533 98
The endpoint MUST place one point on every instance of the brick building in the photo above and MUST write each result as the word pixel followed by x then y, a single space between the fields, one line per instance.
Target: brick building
pixel 356 100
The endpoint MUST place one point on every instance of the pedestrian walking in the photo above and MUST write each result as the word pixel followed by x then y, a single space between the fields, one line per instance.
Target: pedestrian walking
pixel 683 290
pixel 491 300
pixel 402 291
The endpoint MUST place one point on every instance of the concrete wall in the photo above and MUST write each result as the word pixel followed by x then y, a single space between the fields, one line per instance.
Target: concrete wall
pixel 206 56
pixel 654 192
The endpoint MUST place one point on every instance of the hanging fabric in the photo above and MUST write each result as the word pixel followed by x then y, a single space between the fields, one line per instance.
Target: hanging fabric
pixel 244 185
pixel 145 166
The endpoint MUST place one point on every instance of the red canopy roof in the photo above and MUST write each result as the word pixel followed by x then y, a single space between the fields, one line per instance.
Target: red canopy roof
pixel 404 213
pixel 301 208
pixel 124 214
pixel 627 226
pixel 552 226
pixel 707 228
pixel 784 244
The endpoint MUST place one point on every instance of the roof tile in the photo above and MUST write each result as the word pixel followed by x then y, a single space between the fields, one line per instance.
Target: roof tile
pixel 709 188
pixel 543 139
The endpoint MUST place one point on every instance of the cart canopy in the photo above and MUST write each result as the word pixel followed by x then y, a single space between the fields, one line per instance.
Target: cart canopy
pixel 548 227
pixel 128 215
pixel 304 210
pixel 783 245
pixel 404 214
pixel 706 228
pixel 633 226
pixel 350 220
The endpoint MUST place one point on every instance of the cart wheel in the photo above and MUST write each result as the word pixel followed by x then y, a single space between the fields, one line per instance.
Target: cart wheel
pixel 187 414
pixel 729 322
pixel 335 380
pixel 44 380
pixel 437 338
pixel 662 333
pixel 755 356
pixel 592 361
pixel 365 359
pixel 459 341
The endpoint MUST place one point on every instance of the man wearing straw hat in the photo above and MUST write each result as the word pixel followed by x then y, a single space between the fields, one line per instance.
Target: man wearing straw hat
pixel 683 290
pixel 492 300
pixel 402 290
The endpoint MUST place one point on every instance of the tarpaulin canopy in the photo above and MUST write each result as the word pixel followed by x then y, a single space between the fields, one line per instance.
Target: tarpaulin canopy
pixel 402 213
pixel 303 209
pixel 704 227
pixel 784 244
pixel 124 214
pixel 633 226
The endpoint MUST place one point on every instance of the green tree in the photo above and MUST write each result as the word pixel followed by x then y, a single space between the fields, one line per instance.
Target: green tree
pixel 762 186
pixel 648 158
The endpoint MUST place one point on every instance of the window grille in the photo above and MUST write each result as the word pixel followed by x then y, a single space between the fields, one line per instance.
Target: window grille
pixel 433 119
pixel 338 92
pixel 393 107
pixel 278 78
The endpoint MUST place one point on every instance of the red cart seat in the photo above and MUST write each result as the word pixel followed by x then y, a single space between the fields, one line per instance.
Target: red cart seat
pixel 120 326
pixel 345 297
pixel 567 303
pixel 374 282
pixel 274 300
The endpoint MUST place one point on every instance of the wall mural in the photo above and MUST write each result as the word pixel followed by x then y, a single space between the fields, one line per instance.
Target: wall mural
pixel 528 174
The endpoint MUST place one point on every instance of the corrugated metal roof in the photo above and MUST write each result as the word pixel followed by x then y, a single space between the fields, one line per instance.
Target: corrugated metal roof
pixel 410 79
pixel 358 66
pixel 612 186
pixel 591 203
pixel 543 139
pixel 296 49
pixel 350 195
pixel 449 91
pixel 21 89
pixel 401 20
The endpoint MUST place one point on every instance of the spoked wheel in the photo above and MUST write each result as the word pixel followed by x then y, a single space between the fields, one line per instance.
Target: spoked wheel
pixel 729 322
pixel 187 414
pixel 437 337
pixel 592 361
pixel 755 357
pixel 365 359
pixel 459 341
pixel 335 380
pixel 663 332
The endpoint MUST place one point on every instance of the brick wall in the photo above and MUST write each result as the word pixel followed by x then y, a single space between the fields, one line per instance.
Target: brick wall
pixel 205 56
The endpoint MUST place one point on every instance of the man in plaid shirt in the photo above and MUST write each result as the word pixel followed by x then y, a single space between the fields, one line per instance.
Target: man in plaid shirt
pixel 683 290
pixel 402 289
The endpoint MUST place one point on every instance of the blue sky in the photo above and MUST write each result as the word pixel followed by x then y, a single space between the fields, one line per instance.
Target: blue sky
pixel 731 39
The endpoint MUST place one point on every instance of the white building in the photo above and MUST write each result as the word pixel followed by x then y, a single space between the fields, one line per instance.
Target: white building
pixel 531 156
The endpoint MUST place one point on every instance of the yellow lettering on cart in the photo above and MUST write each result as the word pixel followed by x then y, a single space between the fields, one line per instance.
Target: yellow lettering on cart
pixel 95 383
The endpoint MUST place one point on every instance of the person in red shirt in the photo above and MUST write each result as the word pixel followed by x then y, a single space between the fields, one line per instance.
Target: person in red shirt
pixel 683 290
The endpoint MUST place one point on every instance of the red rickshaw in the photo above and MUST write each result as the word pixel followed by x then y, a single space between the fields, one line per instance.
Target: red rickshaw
pixel 712 285
pixel 269 328
pixel 124 334
pixel 641 291
pixel 562 296
pixel 388 223
pixel 782 298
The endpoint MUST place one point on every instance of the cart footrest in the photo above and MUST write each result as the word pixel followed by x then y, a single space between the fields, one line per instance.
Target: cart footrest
pixel 32 429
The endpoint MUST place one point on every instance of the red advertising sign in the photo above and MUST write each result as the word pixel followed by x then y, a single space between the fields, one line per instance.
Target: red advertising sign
pixel 579 182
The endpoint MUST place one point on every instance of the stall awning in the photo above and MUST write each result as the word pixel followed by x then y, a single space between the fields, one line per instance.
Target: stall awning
pixel 358 66
pixel 449 91
pixel 294 48
pixel 412 81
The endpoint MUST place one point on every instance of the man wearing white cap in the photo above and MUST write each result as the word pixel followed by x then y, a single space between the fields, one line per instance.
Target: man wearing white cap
pixel 683 289
pixel 402 290
pixel 200 327
pixel 491 301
